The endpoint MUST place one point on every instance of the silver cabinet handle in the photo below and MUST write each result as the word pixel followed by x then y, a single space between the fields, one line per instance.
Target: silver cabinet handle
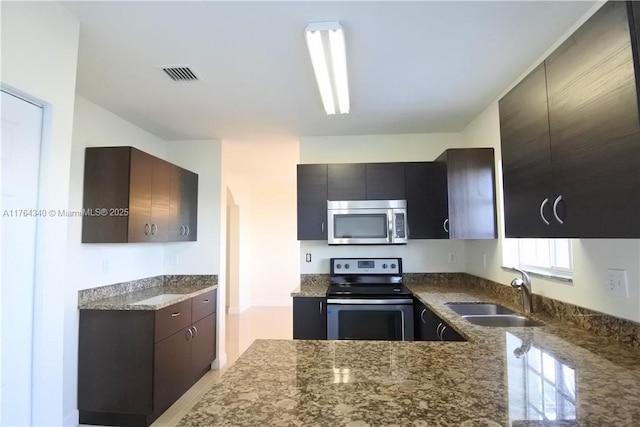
pixel 195 331
pixel 188 230
pixel 555 211
pixel 442 333
pixel 175 314
pixel 154 229
pixel 322 226
pixel 205 301
pixel 444 225
pixel 147 229
pixel 183 230
pixel 438 330
pixel 424 310
pixel 190 332
pixel 544 202
pixel 321 306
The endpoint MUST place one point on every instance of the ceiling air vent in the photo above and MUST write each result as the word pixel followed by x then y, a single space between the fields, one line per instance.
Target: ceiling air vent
pixel 180 74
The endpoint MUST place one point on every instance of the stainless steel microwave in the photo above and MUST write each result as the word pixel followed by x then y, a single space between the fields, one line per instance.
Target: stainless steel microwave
pixel 367 222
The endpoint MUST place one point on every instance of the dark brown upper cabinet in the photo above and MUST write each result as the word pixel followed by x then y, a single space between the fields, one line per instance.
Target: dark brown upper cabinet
pixel 131 196
pixel 585 181
pixel 347 181
pixel 312 202
pixel 426 195
pixel 526 157
pixel 183 205
pixel 385 181
pixel 471 197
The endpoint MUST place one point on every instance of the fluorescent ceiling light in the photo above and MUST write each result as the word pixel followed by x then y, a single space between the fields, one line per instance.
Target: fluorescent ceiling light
pixel 334 86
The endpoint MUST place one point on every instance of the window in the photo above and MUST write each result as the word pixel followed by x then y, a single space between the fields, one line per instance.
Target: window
pixel 551 257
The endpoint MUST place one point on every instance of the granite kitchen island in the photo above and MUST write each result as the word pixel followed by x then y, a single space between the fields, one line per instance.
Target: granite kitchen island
pixel 499 377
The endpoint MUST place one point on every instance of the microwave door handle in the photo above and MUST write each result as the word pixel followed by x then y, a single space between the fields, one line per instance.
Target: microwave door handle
pixel 390 225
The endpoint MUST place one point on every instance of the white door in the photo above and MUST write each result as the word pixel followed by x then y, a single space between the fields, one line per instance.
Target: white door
pixel 20 140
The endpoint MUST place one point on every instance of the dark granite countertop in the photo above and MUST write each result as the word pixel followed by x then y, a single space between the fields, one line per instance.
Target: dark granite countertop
pixel 500 377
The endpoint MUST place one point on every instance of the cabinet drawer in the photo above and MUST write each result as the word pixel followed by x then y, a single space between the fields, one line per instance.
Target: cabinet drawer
pixel 203 305
pixel 170 320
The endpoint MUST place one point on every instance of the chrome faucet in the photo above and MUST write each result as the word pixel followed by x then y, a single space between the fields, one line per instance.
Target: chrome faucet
pixel 524 285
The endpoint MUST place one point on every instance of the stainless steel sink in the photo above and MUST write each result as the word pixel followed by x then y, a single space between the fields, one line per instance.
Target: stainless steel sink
pixel 505 320
pixel 478 308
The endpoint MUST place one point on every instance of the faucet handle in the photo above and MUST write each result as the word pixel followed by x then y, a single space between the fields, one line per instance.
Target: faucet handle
pixel 525 277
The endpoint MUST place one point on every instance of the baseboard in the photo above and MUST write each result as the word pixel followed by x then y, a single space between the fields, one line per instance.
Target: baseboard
pixel 220 361
pixel 72 419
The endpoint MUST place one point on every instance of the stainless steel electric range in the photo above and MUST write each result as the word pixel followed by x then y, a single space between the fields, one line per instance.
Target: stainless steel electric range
pixel 366 300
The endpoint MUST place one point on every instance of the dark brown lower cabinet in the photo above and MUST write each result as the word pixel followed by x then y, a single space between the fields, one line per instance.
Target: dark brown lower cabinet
pixel 203 350
pixel 430 327
pixel 171 376
pixel 310 318
pixel 133 365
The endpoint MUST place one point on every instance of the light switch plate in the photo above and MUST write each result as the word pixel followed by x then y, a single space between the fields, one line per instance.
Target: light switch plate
pixel 617 283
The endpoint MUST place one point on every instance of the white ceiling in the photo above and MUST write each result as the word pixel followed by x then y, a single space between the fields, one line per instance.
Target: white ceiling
pixel 414 67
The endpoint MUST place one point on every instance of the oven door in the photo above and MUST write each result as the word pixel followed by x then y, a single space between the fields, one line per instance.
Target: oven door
pixel 360 226
pixel 366 319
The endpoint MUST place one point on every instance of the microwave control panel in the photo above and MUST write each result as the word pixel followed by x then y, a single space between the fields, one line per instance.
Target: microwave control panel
pixel 344 266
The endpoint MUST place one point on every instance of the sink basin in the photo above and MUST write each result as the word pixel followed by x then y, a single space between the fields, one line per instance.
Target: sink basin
pixel 501 320
pixel 478 308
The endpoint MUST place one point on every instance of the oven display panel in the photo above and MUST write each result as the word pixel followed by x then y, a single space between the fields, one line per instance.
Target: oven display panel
pixel 366 264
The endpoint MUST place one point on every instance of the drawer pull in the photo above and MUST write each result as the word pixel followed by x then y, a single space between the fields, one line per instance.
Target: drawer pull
pixel 195 331
pixel 175 314
pixel 205 301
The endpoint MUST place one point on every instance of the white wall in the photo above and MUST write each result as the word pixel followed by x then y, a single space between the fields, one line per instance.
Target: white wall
pixel 591 257
pixel 261 176
pixel 417 255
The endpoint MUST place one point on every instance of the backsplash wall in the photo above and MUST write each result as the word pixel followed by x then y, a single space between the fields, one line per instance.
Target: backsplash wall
pixel 418 256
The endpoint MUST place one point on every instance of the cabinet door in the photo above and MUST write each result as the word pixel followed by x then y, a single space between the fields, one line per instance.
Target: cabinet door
pixel 595 129
pixel 347 181
pixel 160 196
pixel 426 192
pixel 449 334
pixel 203 347
pixel 310 318
pixel 141 180
pixel 171 369
pixel 426 322
pixel 385 181
pixel 312 202
pixel 471 193
pixel 183 205
pixel 106 185
pixel 526 158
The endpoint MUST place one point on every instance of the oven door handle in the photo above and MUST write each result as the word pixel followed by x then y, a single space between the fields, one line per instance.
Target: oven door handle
pixel 346 301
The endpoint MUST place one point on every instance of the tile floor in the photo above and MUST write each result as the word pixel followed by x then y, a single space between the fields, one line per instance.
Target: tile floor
pixel 242 330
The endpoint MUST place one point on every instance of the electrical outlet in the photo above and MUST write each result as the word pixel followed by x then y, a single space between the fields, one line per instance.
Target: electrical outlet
pixel 617 283
pixel 452 257
pixel 105 265
pixel 174 260
pixel 308 257
pixel 484 260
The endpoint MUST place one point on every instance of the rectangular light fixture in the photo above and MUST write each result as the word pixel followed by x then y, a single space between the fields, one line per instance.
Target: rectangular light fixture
pixel 325 41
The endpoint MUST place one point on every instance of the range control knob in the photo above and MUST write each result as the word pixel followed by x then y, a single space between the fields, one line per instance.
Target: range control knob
pixel 346 266
pixel 393 266
pixel 384 265
pixel 338 266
